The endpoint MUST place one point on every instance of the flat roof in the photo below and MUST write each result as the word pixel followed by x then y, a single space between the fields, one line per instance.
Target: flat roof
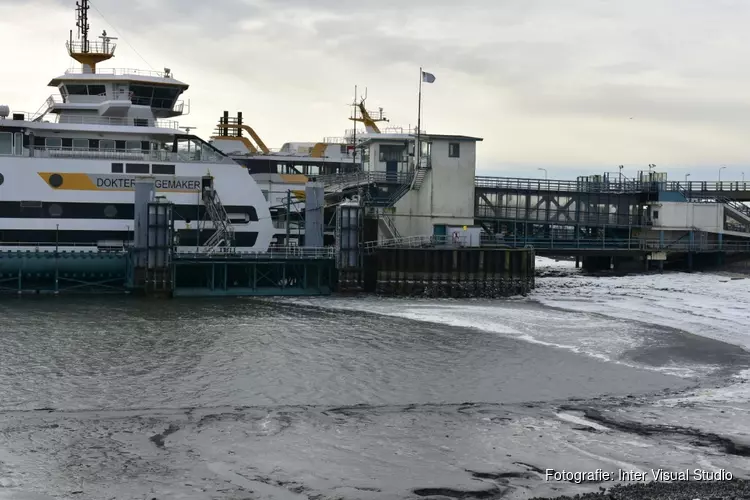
pixel 406 137
pixel 83 78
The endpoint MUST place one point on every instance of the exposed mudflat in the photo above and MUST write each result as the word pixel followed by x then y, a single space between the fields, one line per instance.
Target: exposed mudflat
pixel 384 452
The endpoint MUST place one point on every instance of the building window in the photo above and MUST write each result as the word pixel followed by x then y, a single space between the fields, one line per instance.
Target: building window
pixel 656 214
pixel 136 168
pixel 454 150
pixel 162 169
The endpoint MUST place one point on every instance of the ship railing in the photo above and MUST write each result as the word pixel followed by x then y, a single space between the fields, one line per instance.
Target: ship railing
pixel 336 140
pixel 122 72
pixel 81 47
pixel 121 154
pixel 115 121
pixel 118 121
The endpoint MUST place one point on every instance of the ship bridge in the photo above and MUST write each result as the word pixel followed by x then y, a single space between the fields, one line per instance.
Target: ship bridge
pixel 117 92
pixel 89 94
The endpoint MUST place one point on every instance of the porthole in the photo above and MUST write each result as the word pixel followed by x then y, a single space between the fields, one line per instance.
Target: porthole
pixel 55 210
pixel 2 179
pixel 110 211
pixel 55 180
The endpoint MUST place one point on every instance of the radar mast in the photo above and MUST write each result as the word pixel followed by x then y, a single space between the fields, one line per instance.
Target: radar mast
pixel 88 53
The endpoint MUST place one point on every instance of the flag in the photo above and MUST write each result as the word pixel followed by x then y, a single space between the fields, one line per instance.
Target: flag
pixel 428 77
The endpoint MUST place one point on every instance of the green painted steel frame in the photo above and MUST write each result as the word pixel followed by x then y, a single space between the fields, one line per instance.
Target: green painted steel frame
pixel 23 280
pixel 208 278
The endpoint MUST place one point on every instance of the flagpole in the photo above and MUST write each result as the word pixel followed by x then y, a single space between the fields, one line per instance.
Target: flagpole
pixel 418 151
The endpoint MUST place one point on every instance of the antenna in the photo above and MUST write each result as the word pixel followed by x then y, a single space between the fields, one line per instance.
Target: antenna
pixel 106 39
pixel 188 129
pixel 82 23
pixel 354 132
pixel 83 51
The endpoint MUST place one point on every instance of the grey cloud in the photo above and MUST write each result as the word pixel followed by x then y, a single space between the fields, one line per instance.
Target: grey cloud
pixel 661 62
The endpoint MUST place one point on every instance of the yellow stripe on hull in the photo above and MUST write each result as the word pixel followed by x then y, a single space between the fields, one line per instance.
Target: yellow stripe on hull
pixel 108 182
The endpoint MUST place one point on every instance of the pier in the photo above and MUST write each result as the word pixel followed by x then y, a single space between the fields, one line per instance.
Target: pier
pixel 615 222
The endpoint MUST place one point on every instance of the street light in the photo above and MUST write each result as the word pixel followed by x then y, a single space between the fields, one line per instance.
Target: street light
pixel 620 167
pixel 720 169
pixel 545 172
pixel 686 178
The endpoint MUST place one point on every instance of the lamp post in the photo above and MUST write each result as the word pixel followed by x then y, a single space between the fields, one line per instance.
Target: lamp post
pixel 620 167
pixel 545 172
pixel 686 178
pixel 720 169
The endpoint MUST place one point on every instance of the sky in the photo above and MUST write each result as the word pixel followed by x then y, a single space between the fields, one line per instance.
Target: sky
pixel 575 87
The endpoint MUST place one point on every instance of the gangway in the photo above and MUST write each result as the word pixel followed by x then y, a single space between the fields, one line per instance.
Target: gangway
pixel 223 236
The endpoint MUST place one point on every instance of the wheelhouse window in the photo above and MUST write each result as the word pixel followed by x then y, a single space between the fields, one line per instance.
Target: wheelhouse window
pixel 154 96
pixel 53 142
pixel 6 143
pixel 194 149
pixel 106 144
pixel 80 143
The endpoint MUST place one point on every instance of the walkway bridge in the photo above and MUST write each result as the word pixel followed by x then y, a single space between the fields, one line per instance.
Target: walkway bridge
pixel 597 215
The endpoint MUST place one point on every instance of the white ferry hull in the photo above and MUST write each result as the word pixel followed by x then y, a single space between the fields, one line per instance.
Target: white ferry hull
pixel 92 205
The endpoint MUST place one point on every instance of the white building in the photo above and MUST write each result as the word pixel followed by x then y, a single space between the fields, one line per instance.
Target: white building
pixel 440 191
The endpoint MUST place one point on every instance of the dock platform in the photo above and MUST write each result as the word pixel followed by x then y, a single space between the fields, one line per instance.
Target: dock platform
pixel 287 271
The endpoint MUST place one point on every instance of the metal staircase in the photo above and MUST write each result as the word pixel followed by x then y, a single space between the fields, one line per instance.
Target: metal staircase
pixel 419 175
pixel 223 236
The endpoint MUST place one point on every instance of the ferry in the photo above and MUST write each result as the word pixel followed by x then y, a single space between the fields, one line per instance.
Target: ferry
pixel 283 173
pixel 67 172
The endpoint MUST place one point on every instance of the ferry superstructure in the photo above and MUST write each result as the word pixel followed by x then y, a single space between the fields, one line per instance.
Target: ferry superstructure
pixel 67 172
pixel 282 173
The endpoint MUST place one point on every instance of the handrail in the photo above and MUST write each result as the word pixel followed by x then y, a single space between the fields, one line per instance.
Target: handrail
pixel 102 120
pixel 522 184
pixel 121 72
pixel 490 241
pixel 610 185
pixel 104 47
pixel 124 154
pixel 287 252
pixel 363 177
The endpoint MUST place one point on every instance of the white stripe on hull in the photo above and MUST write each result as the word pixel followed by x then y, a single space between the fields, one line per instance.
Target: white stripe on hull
pixel 22 182
pixel 51 224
